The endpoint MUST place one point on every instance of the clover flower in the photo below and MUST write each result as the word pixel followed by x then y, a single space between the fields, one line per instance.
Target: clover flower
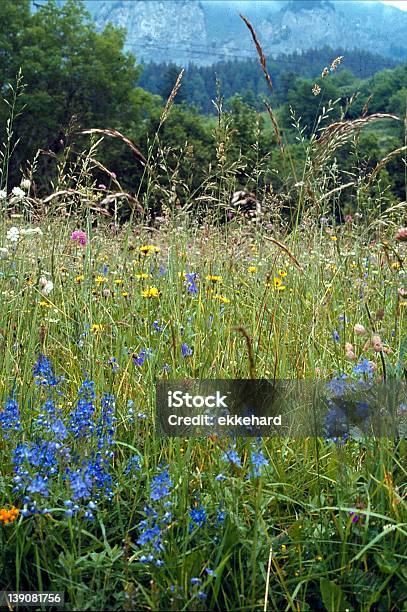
pixel 79 236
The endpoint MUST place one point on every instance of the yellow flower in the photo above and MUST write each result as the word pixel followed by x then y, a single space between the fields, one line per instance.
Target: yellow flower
pixel 96 327
pixel 395 265
pixel 151 292
pixel 143 276
pixel 125 293
pixel 214 278
pixel 222 299
pixel 278 284
pixel 252 269
pixel 100 279
pixel 148 249
pixel 319 558
pixel 44 304
pixel 254 249
pixel 334 238
pixel 282 273
pixel 118 281
pixel 79 278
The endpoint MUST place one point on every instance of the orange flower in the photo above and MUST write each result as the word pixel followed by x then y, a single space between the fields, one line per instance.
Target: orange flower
pixel 8 516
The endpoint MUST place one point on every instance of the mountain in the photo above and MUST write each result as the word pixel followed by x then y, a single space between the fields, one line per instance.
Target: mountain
pixel 206 31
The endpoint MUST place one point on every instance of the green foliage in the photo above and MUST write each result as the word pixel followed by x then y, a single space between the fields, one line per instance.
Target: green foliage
pixel 72 74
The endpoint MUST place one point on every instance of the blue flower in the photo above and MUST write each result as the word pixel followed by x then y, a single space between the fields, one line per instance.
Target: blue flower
pixel 186 350
pixel 189 282
pixel 198 517
pixel 158 328
pixel 160 485
pixel 335 336
pixel 258 461
pixel 43 372
pixel 81 484
pixel 133 465
pixel 10 417
pixel 232 456
pixel 81 423
pixel 364 367
pixel 39 485
pixel 142 356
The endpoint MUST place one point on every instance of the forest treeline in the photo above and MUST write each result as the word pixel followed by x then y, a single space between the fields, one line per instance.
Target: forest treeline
pixel 245 77
pixel 76 78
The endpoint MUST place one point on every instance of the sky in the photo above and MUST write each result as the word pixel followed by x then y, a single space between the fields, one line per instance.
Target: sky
pixel 401 4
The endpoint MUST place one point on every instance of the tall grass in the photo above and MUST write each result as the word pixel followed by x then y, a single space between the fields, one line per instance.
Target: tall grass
pixel 320 525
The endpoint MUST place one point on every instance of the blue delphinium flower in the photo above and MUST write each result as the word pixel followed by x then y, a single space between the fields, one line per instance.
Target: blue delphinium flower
pixel 363 368
pixel 198 517
pixel 139 359
pixel 81 484
pixel 160 485
pixel 150 534
pixel 335 336
pixel 10 418
pixel 81 423
pixel 220 516
pixel 190 278
pixel 106 427
pixel 336 425
pixel 44 374
pixel 232 456
pixel 338 385
pixel 113 363
pixel 258 461
pixel 39 484
pixel 186 350
pixel 157 327
pixel 133 465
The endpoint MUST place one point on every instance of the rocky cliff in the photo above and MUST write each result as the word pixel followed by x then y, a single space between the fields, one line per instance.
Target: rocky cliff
pixel 206 31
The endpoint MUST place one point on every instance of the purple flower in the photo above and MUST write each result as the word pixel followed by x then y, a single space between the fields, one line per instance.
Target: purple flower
pixel 79 237
pixel 186 350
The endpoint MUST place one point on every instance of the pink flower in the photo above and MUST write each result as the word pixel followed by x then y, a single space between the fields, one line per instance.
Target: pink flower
pixel 80 237
pixel 113 175
pixel 348 218
pixel 401 234
pixel 102 186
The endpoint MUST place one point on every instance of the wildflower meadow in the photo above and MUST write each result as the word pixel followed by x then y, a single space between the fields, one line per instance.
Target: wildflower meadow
pixel 104 294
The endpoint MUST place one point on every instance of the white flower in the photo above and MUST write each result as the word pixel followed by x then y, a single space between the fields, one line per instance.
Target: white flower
pixel 48 287
pixel 25 184
pixel 32 231
pixel 13 234
pixel 19 193
pixel 3 194
pixel 42 281
pixel 3 251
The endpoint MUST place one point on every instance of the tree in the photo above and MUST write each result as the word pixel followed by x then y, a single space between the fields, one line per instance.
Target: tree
pixel 69 70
